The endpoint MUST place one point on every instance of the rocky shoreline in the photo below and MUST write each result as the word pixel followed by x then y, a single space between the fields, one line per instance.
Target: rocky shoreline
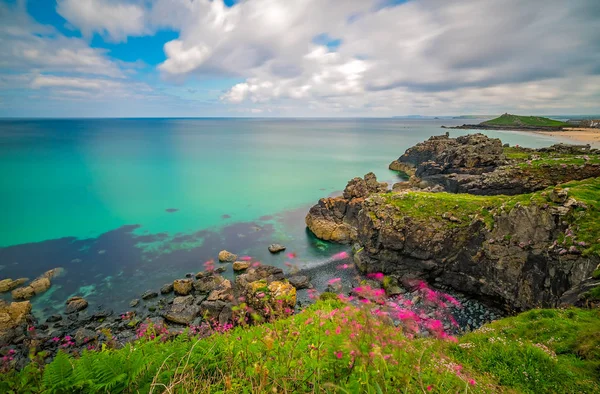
pixel 486 235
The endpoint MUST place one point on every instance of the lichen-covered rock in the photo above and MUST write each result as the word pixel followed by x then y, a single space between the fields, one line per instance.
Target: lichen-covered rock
pixel 241 265
pixel 23 293
pixel 12 316
pixel 40 285
pixel 182 287
pixel 76 304
pixel 10 284
pixel 227 257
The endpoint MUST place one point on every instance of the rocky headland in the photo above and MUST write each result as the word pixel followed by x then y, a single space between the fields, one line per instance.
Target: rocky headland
pixel 516 227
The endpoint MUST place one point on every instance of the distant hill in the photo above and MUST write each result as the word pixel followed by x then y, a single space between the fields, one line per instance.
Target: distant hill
pixel 521 121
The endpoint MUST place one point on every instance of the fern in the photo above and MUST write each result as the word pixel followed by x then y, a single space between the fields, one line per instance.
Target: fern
pixel 58 374
pixel 109 372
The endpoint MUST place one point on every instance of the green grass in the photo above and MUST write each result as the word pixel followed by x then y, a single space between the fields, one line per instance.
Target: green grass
pixel 516 120
pixel 336 348
pixel 538 351
pixel 429 207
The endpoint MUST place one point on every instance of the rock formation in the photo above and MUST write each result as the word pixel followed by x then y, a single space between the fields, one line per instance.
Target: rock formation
pixel 520 252
pixel 334 218
pixel 477 164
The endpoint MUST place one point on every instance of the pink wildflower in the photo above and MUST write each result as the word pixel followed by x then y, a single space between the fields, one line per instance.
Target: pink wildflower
pixel 429 388
pixel 472 382
pixel 338 330
pixel 339 354
pixel 376 276
pixel 340 256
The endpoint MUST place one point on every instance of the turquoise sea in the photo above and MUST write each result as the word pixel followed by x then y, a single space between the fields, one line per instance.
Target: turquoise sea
pixel 126 205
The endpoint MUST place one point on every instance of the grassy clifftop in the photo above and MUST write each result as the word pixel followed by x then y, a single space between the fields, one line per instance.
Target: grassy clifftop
pixel 520 121
pixel 334 347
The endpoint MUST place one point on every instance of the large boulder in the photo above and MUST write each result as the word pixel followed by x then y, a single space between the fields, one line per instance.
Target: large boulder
pixel 182 310
pixel 207 282
pixel 299 281
pixel 23 293
pixel 182 287
pixel 40 285
pixel 241 265
pixel 76 304
pixel 227 257
pixel 12 316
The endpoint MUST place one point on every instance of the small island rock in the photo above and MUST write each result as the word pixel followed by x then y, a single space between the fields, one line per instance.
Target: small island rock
pixel 276 248
pixel 227 257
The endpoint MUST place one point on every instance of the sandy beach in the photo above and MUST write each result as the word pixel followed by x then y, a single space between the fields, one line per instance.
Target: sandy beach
pixel 577 135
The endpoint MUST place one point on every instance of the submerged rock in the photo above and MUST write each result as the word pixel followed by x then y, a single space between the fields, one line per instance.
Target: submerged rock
pixel 149 294
pixel 276 248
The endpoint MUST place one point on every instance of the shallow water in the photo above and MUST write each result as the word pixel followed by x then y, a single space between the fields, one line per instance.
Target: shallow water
pixel 126 205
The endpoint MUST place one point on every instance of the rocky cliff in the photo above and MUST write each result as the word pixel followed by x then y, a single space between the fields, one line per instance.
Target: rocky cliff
pixel 477 164
pixel 520 251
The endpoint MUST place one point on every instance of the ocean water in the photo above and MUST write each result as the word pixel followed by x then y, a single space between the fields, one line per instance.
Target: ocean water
pixel 126 205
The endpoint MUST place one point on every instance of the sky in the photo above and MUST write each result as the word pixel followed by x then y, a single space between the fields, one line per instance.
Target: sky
pixel 298 58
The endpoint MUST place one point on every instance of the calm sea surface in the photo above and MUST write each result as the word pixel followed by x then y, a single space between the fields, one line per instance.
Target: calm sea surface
pixel 126 205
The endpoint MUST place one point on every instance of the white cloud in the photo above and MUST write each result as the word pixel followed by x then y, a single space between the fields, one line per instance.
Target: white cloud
pixel 423 56
pixel 27 45
pixel 113 19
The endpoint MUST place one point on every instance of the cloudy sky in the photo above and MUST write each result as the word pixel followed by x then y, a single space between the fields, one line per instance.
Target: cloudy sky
pixel 78 58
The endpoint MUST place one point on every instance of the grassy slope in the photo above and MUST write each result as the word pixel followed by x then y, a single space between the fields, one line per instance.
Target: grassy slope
pixel 318 350
pixel 516 120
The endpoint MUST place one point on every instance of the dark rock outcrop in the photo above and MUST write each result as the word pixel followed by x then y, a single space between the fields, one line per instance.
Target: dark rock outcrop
pixel 516 264
pixel 334 218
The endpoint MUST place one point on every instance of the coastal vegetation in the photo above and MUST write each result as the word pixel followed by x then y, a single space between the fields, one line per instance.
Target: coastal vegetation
pixel 518 121
pixel 336 347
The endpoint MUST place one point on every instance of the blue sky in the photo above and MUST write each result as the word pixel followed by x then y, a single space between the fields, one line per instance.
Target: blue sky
pixel 143 58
